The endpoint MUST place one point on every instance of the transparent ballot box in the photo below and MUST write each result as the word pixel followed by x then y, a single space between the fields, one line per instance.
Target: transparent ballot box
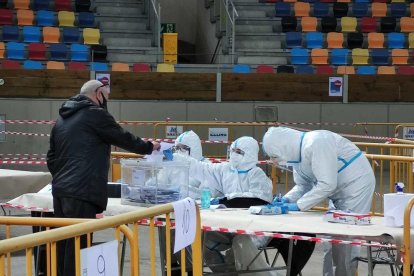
pixel 147 183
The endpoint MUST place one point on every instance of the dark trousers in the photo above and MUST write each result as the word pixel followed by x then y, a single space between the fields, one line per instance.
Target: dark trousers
pixel 65 207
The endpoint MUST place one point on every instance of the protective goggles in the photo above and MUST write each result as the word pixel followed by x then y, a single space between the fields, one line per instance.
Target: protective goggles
pixel 238 151
pixel 181 148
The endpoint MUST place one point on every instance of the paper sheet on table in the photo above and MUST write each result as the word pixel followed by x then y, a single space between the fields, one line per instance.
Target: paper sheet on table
pixel 157 155
pixel 394 205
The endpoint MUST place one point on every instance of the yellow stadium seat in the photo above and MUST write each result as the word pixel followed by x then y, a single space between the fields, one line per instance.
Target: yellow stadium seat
pixel 375 40
pixel 66 19
pixel 309 24
pixel 335 40
pixel 1 49
pixel 91 36
pixel 343 1
pixel 360 56
pixel 386 70
pixel 379 9
pixel 21 4
pixel 411 40
pixel 399 56
pixel 319 56
pixel 51 35
pixel 346 70
pixel 407 24
pixel 302 9
pixel 165 68
pixel 25 17
pixel 120 67
pixel 348 24
pixel 55 65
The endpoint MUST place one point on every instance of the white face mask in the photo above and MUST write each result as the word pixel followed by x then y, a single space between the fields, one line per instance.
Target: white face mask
pixel 183 152
pixel 235 159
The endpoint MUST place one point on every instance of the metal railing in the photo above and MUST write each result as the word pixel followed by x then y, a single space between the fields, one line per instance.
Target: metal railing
pixel 231 16
pixel 153 9
pixel 406 246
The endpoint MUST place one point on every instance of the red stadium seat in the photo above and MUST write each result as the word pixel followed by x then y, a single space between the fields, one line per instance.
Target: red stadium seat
pixel 63 5
pixel 77 66
pixel 325 69
pixel 6 17
pixel 10 64
pixel 37 51
pixel 265 69
pixel 141 67
pixel 405 70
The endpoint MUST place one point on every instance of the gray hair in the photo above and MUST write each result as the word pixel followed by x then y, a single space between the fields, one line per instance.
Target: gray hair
pixel 90 86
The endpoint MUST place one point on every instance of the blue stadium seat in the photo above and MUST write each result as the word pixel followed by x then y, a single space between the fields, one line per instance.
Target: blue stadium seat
pixel 293 39
pixel 31 34
pixel 396 40
pixel 379 56
pixel 314 40
pixel 366 70
pixel 320 9
pixel 41 5
pixel 299 56
pixel 70 35
pixel 11 33
pixel 15 50
pixel 58 51
pixel 45 18
pixel 304 69
pixel 241 68
pixel 31 64
pixel 339 56
pixel 99 66
pixel 86 20
pixel 283 9
pixel 360 9
pixel 398 9
pixel 79 52
pixel 362 1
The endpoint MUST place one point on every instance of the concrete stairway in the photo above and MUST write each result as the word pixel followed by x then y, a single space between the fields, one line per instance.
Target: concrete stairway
pixel 124 31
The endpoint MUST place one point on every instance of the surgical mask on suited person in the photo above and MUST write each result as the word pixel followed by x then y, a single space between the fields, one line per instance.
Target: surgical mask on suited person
pixel 235 160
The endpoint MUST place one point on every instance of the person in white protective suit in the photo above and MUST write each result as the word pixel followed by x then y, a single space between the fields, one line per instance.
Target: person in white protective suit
pixel 243 184
pixel 325 166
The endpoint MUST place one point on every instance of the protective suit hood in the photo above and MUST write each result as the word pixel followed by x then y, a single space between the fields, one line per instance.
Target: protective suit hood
pixel 191 139
pixel 250 158
pixel 283 143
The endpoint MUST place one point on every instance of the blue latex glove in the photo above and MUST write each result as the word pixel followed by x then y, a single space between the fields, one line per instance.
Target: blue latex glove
pixel 292 206
pixel 168 154
pixel 215 201
pixel 285 200
pixel 280 199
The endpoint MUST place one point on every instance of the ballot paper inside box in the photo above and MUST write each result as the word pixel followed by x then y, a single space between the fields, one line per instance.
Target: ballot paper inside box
pixel 145 183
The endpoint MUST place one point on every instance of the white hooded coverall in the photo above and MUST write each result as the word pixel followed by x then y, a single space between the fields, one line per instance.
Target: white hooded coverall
pixel 325 166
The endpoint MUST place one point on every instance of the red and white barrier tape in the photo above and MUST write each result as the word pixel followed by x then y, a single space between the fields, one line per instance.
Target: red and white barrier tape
pixel 27 122
pixel 21 162
pixel 22 207
pixel 24 134
pixel 23 154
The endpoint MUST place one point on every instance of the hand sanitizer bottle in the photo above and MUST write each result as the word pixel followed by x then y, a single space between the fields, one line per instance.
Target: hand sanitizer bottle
pixel 399 188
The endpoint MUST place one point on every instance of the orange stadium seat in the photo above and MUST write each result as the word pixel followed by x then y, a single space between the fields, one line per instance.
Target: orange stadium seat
pixel 25 17
pixel 120 67
pixel 51 35
pixel 335 40
pixel 407 24
pixel 345 70
pixel 379 9
pixel 302 9
pixel 319 56
pixel 399 56
pixel 386 70
pixel 376 40
pixel 21 4
pixel 309 24
pixel 55 65
pixel 2 47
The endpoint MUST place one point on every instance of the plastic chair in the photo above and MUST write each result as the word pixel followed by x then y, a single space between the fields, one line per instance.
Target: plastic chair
pixel 265 69
pixel 344 1
pixel 99 66
pixel 91 36
pixel 339 56
pixel 45 18
pixel 66 19
pixel 283 9
pixel 314 40
pixel 241 68
pixel 120 67
pixel 55 65
pixel 328 24
pixel 304 69
pixel 348 24
pixel 11 33
pixel 345 70
pixel 360 56
pixel 79 52
pixel 86 20
pixel 37 51
pixel 299 56
pixel 376 40
pixel 31 34
pixel 405 70
pixel 398 10
pixel 355 40
pixel 2 50
pixel 368 24
pixel 396 40
pixel 379 56
pixel 285 69
pixel 412 9
pixel 362 1
pixel 99 53
pixel 63 5
pixel 388 24
pixel 32 65
pixel 360 9
pixel 165 68
pixel 399 56
pixel 309 24
pixel 82 5
pixel 10 64
pixel 289 1
pixel 289 24
pixel 58 51
pixel 302 9
pixel 335 40
pixel 70 35
pixel 41 5
pixel 141 67
pixel 320 9
pixel 379 9
pixel 21 4
pixel 407 24
pixel 77 66
pixel 386 70
pixel 319 56
pixel 15 50
pixel 340 9
pixel 366 70
pixel 25 17
pixel 325 69
pixel 293 40
pixel 6 17
pixel 51 35
pixel 411 40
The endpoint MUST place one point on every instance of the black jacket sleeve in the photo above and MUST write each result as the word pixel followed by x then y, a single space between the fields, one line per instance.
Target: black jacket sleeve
pixel 50 158
pixel 112 133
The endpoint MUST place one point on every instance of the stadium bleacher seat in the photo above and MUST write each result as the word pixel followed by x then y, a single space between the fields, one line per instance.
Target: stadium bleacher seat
pixel 411 40
pixel 82 5
pixel 319 56
pixel 348 24
pixel 285 69
pixel 325 69
pixel 339 56
pixel 79 52
pixel 335 40
pixel 99 53
pixel 309 24
pixel 397 1
pixel 51 35
pixel 86 20
pixel 45 18
pixel 326 1
pixel 33 65
pixel 412 9
pixel 11 33
pixel 379 9
pixel 293 39
pixel 368 24
pixel 21 4
pixel 91 36
pixel 141 67
pixel 2 50
pixel 41 5
pixel 70 35
pixel 289 24
pixel 302 9
pixel 15 50
pixel 386 70
pixel 379 1
pixel 63 5
pixel 362 1
pixel 3 3
pixel 10 64
pixel 398 9
pixel 343 1
pixel 241 68
pixel 283 9
pixel 355 40
pixel 299 56
pixel 345 70
pixel 36 51
pixel 405 70
pixel 99 66
pixel 360 9
pixel 388 24
pixel 396 40
pixel 6 17
pixel 77 66
pixel 165 68
pixel 55 65
pixel 407 24
pixel 66 19
pixel 25 17
pixel 58 51
pixel 376 40
pixel 320 9
pixel 340 9
pixel 360 56
pixel 314 40
pixel 265 69
pixel 328 24
pixel 304 69
pixel 31 34
pixel 366 70
pixel 379 56
pixel 399 56
pixel 120 67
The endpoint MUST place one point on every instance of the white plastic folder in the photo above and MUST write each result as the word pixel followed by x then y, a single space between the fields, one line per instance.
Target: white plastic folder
pixel 394 205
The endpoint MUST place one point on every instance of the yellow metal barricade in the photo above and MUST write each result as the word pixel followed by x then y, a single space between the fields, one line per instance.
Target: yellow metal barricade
pixel 406 247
